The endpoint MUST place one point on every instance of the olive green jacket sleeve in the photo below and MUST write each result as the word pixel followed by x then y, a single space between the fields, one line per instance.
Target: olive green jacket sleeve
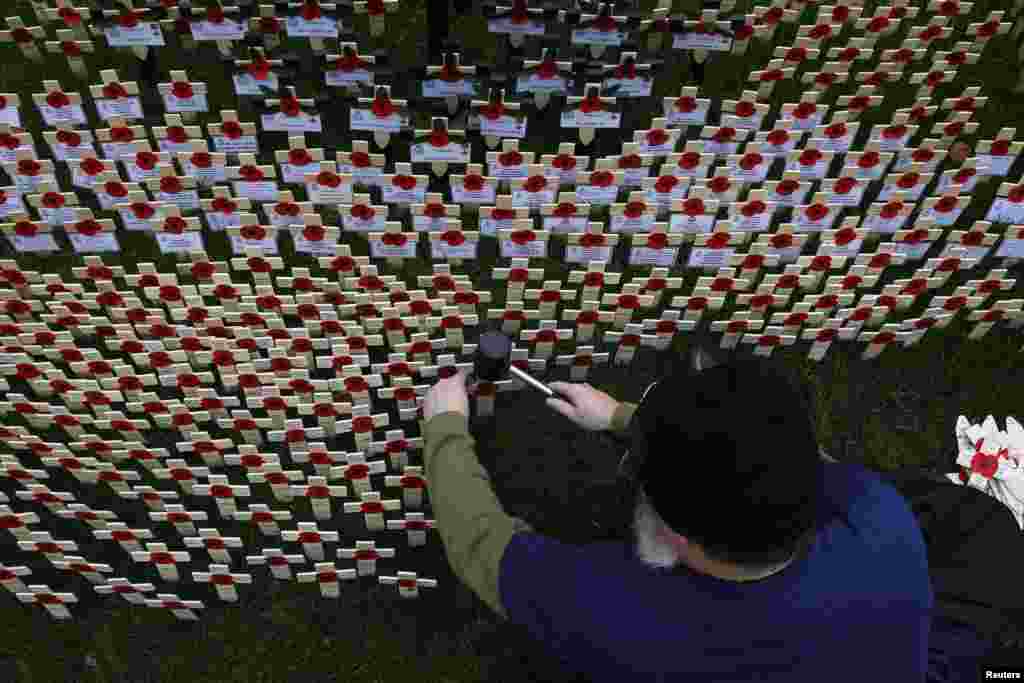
pixel 474 528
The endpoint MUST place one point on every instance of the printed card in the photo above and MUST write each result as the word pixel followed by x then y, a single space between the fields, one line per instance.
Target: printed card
pixel 1003 210
pixel 375 223
pixel 323 27
pixel 533 83
pixel 396 195
pixel 491 226
pixel 180 244
pixel 593 37
pixel 378 249
pixel 56 116
pixel 579 254
pixel 303 123
pixel 533 249
pixel 503 126
pixel 485 195
pixel 291 173
pixel 622 223
pixel 218 220
pixel 645 256
pixel 322 247
pixel 439 249
pixel 436 87
pixel 339 78
pixel 225 30
pixel 681 222
pixel 599 196
pixel 246 144
pixel 563 226
pixel 261 191
pixel 128 108
pixel 247 84
pixel 364 119
pixel 519 28
pixel 712 42
pixel 143 34
pixel 267 245
pixel 710 258
pixel 456 152
pixel 91 244
pixel 575 118
pixel 627 87
pixel 196 103
pixel 42 241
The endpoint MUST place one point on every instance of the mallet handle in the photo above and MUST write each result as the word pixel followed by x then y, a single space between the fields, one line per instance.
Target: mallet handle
pixel 540 386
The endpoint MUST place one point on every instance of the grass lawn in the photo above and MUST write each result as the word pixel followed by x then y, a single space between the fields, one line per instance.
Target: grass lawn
pixel 896 411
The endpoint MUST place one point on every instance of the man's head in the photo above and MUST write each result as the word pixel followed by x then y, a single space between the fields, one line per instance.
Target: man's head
pixel 728 469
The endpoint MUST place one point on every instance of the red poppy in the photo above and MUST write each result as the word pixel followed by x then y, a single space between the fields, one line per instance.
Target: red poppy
pixel 845 236
pixel 754 208
pixel 349 63
pixel 394 239
pixel 269 25
pixel 787 187
pixel 605 24
pixel 591 103
pixel 820 32
pixel 694 206
pixel 772 16
pixel 405 182
pixel 564 162
pixel 174 225
pixel 147 161
pixel 627 71
pixel 956 58
pixel 290 106
pixel 253 232
pixel 311 10
pixel 686 104
pixel 70 48
pixel 744 32
pixel 535 183
pixel 878 24
pixel 88 227
pixel 935 78
pixel 859 102
pixel 361 212
pixel 171 185
pixel 869 159
pixel 908 180
pixel 58 99
pixel 745 109
pixel 592 240
pixel 141 210
pixel 750 161
pixel 1016 194
pixel 511 158
pixel 825 78
pixel 988 29
pixel 602 179
pixel 25 229
pixel 359 159
pixel 493 111
pixel 724 134
pixel 299 157
pixel 891 210
pixel 250 173
pixel 657 137
pixel 382 106
pixel 810 157
pixel 522 237
pixel 224 205
pixel 903 55
pixel 473 182
pixel 231 129
pixel 657 240
pixel 666 184
pixel 844 185
pixel 53 200
pixel 946 204
pixel 772 75
pixel 953 129
pixel 777 138
pixel 182 90
pixel 689 160
pixel 816 212
pixel 719 184
pixel 453 237
pixel 328 179
pixel 634 209
pixel 29 167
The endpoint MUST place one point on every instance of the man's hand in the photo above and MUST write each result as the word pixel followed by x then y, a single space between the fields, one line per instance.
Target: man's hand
pixel 447 395
pixel 586 406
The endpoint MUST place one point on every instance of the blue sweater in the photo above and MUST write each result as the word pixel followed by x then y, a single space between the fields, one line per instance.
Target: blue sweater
pixel 855 608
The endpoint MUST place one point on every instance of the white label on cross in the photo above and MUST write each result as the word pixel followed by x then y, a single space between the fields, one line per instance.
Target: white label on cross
pixel 536 84
pixel 624 224
pixel 697 117
pixel 710 258
pixel 322 27
pixel 713 42
pixel 607 38
pixel 40 242
pixel 439 249
pixel 655 257
pixel 104 241
pixel 396 195
pixel 142 34
pixel 364 119
pixel 247 84
pixel 510 249
pixel 1012 248
pixel 596 119
pixel 485 195
pixel 267 245
pixel 437 88
pixel 129 108
pixel 578 254
pixel 302 123
pixel 600 196
pixel 453 151
pixel 54 116
pixel 700 223
pixel 196 103
pixel 1003 210
pixel 225 30
pixel 260 191
pixel 490 226
pixel 184 243
pixel 503 127
pixel 246 144
pixel 628 87
pixel 509 25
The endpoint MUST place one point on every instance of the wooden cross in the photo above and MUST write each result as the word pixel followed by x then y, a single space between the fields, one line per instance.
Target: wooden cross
pixel 393 244
pixel 581 361
pixel 314 20
pixel 544 78
pixel 687 109
pixel 292 115
pixel 858 103
pixel 517 21
pixel 601 186
pixel 185 97
pixel 24 37
pixel 166 562
pixel 396 446
pixel 498 118
pixel 255 76
pixel 216 545
pixel 412 483
pixel 415 526
pixel 181 609
pixel 510 163
pixel 73 18
pixel 545 338
pixel 222 25
pixel 436 146
pixel 58 107
pixel 252 181
pixel 72 49
pixel 223 580
pixel 383 116
pixel 279 563
pixel 433 215
pixel 373 509
pixel 311 538
pixel 119 531
pixel 116 100
pixel 54 603
pixel 450 81
pixel 811 163
pixel 589 112
pixel 701 300
pixel 375 11
pixel 223 493
pixel 366 554
pixel 42 542
pixel 628 78
pixel 135 28
pixel 565 216
pixel 232 136
pixel 408 583
pixel 132 592
pixel 320 494
pixel 402 187
pixel 597 31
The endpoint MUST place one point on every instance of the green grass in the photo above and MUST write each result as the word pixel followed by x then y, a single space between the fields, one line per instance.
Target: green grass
pixel 893 412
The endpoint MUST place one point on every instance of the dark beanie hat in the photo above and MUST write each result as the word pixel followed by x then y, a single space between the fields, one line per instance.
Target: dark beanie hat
pixel 729 459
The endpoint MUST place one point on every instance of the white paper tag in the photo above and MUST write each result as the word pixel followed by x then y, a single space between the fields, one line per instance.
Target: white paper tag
pixel 247 144
pixel 578 254
pixel 645 256
pixel 352 224
pixel 944 219
pixel 196 103
pixel 563 226
pixel 324 247
pixel 380 250
pixel 63 216
pixel 338 78
pixel 681 222
pixel 452 152
pixel 535 248
pixel 131 222
pixel 297 174
pixel 621 223
pixel 720 148
pixel 396 195
pixel 11 116
pixel 701 257
pixel 510 172
pixel 205 176
pixel 267 245
pixel 664 199
pixel 65 153
pixel 142 34
pixel 712 42
pixel 11 204
pixel 503 127
pixel 104 241
pixel 523 28
pixel 428 224
pixel 364 119
pixel 851 198
pixel 599 196
pixel 129 108
pixel 30 184
pixel 297 27
pixel 598 119
pixel 226 30
pixel 439 249
pixel 913 251
pixel 814 172
pixel 218 220
pixel 247 84
pixel 607 38
pixel 435 87
pixel 534 200
pixel 627 87
pixel 119 150
pixel 997 165
pixel 1011 248
pixel 10 156
pixel 180 244
pixel 490 226
pixel 186 201
pixel 261 191
pixel 485 195
pixel 888 190
pixel 535 84
pixel 697 117
pixel 42 241
pixel 362 175
pixel 1003 210
pixel 55 116
pixel 634 177
pixel 303 123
